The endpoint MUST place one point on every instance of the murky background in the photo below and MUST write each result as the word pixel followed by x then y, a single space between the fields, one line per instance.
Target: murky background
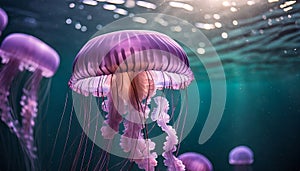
pixel 258 42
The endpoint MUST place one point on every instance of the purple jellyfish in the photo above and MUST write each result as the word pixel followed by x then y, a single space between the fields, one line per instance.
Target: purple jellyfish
pixel 126 68
pixel 21 52
pixel 3 20
pixel 195 162
pixel 241 158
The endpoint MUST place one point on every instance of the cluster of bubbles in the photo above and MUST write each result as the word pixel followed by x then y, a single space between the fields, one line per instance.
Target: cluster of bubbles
pixel 224 16
pixel 249 24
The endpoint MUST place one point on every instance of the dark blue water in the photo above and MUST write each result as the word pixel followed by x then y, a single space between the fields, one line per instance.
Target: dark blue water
pixel 258 43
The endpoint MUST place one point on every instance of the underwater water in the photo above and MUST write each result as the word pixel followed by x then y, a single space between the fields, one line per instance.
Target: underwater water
pixel 249 52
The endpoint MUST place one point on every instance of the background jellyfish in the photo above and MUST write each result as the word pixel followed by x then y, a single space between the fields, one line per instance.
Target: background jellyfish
pixel 3 20
pixel 126 68
pixel 241 158
pixel 195 162
pixel 20 52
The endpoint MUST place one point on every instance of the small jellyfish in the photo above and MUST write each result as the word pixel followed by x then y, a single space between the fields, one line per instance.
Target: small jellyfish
pixel 20 52
pixel 195 162
pixel 241 158
pixel 3 20
pixel 126 69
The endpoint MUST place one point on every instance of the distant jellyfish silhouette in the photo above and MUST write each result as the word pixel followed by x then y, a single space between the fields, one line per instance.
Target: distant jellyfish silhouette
pixel 20 52
pixel 241 157
pixel 127 68
pixel 3 20
pixel 195 162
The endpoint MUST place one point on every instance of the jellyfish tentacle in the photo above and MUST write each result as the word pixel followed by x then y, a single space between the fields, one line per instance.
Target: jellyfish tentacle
pixel 6 77
pixel 29 112
pixel 133 141
pixel 160 115
pixel 140 90
pixel 6 115
pixel 113 119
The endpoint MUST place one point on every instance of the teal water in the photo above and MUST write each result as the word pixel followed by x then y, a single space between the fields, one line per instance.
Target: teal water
pixel 258 46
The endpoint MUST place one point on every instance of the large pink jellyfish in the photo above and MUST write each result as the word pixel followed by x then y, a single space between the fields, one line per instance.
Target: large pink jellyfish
pixel 20 52
pixel 126 68
pixel 195 162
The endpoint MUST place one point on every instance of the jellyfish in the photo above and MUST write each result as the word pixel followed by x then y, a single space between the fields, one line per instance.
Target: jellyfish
pixel 126 69
pixel 195 162
pixel 241 158
pixel 20 53
pixel 3 20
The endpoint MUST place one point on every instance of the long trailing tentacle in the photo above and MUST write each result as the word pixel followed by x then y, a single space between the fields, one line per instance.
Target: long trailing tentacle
pixel 133 141
pixel 23 131
pixel 7 75
pixel 141 90
pixel 113 118
pixel 160 115
pixel 6 116
pixel 29 112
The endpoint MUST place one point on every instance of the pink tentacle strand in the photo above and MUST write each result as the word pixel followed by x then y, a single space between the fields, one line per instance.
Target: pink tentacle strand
pixel 29 113
pixel 160 115
pixel 113 119
pixel 6 77
pixel 6 116
pixel 133 141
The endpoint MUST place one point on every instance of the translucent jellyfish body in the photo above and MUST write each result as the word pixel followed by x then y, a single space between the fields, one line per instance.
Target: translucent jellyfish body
pixel 126 68
pixel 20 52
pixel 241 157
pixel 195 162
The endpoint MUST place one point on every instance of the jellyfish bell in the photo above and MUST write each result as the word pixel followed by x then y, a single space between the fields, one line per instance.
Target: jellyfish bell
pixel 241 157
pixel 30 53
pixel 3 20
pixel 20 52
pixel 127 51
pixel 127 68
pixel 195 162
